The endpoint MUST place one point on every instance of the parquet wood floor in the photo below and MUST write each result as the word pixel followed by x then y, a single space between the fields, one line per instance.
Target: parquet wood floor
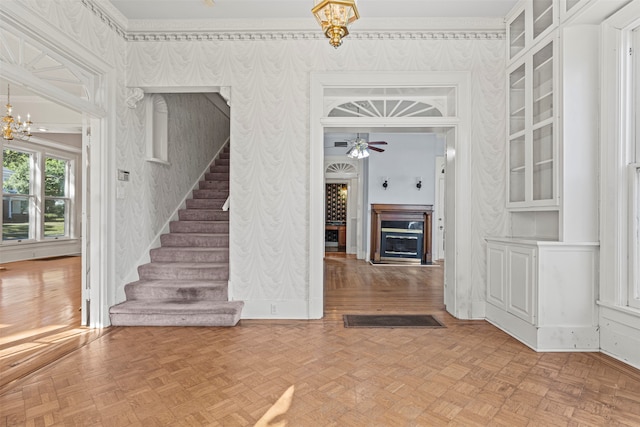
pixel 318 373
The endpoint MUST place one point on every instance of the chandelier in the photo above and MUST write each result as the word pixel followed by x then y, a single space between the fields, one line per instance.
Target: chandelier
pixel 359 149
pixel 334 16
pixel 15 128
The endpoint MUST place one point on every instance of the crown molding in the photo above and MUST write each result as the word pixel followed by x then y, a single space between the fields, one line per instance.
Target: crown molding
pixel 293 29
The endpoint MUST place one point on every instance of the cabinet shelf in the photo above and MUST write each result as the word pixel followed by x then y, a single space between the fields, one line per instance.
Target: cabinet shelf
pixel 544 162
pixel 543 64
pixel 516 85
pixel 518 169
pixel 544 13
pixel 543 96
pixel 516 113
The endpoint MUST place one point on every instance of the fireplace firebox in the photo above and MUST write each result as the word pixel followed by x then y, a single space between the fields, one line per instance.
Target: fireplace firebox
pixel 401 233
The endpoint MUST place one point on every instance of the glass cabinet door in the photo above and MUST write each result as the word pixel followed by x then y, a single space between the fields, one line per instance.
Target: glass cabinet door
pixel 542 16
pixel 517 170
pixel 517 82
pixel 542 124
pixel 516 35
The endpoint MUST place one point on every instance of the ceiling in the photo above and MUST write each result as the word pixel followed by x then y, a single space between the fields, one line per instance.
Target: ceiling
pixel 298 9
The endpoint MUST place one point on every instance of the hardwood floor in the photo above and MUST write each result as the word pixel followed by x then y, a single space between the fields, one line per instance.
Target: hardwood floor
pixel 39 315
pixel 318 373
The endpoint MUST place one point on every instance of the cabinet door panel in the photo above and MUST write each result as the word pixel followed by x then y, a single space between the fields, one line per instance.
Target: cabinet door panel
pixel 520 282
pixel 496 285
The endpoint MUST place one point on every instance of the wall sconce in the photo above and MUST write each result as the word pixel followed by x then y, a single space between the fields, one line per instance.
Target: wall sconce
pixel 385 184
pixel 419 183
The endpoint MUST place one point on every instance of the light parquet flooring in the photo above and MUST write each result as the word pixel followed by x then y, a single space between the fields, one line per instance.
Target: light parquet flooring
pixel 318 373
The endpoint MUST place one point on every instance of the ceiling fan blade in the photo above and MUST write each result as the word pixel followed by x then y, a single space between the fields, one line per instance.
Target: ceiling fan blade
pixel 377 143
pixel 379 150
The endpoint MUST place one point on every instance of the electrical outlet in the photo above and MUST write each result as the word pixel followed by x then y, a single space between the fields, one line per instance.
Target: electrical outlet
pixel 274 309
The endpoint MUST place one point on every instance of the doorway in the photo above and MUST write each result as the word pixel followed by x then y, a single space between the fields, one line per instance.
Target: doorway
pixel 338 90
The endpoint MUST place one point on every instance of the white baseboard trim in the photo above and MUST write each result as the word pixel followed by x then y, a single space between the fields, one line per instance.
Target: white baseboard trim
pixel 620 334
pixel 583 338
pixel 37 250
pixel 274 309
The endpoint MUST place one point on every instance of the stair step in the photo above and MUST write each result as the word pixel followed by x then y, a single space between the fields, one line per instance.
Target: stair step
pixel 190 290
pixel 199 226
pixel 176 313
pixel 214 176
pixel 225 155
pixel 214 185
pixel 203 215
pixel 222 162
pixel 219 169
pixel 188 254
pixel 183 271
pixel 207 240
pixel 211 194
pixel 205 203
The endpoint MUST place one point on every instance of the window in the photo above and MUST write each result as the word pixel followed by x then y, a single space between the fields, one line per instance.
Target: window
pixel 56 200
pixel 38 187
pixel 17 195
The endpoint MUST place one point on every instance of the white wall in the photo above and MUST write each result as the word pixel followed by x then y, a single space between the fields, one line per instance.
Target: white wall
pixel 406 157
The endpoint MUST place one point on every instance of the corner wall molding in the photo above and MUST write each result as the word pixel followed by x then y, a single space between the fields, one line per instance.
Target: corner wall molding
pixel 315 35
pixel 116 21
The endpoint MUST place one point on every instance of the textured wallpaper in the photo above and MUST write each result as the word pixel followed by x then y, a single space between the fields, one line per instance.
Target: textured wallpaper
pixel 269 82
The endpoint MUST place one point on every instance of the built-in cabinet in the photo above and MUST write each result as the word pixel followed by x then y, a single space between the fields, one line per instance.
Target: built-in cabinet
pixel 541 276
pixel 543 292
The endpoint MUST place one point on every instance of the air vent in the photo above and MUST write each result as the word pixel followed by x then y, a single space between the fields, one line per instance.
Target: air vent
pixel 340 144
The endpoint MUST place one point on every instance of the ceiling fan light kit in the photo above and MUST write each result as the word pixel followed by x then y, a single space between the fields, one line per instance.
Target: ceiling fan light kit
pixel 334 16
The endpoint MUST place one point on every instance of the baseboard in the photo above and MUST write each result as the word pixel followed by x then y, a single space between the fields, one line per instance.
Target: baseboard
pixel 37 250
pixel 274 309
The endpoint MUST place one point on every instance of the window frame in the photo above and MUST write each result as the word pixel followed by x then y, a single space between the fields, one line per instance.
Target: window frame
pixel 31 196
pixel 40 152
pixel 631 44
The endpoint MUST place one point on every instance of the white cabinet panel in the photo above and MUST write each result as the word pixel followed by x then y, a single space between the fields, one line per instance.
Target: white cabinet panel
pixel 520 284
pixel 496 272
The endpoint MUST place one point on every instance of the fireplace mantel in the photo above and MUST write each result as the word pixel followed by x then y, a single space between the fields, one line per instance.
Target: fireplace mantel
pixel 389 212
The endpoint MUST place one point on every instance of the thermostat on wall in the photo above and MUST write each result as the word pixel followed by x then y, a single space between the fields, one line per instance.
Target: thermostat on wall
pixel 123 175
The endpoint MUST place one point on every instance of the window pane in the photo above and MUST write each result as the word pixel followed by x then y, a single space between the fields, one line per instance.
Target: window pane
pixel 55 174
pixel 16 172
pixel 55 215
pixel 15 218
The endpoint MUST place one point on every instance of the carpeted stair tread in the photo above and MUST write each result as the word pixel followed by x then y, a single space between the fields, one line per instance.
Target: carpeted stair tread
pixel 203 215
pixel 187 253
pixel 184 271
pixel 214 185
pixel 216 240
pixel 176 313
pixel 207 227
pixel 205 203
pixel 177 289
pixel 211 194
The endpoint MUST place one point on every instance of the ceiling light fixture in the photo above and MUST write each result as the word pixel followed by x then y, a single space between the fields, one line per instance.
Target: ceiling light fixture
pixel 359 149
pixel 12 128
pixel 334 16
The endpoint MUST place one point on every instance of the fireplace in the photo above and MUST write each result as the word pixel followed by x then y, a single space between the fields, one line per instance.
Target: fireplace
pixel 401 233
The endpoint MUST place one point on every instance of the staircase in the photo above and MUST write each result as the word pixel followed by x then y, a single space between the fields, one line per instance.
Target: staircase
pixel 185 284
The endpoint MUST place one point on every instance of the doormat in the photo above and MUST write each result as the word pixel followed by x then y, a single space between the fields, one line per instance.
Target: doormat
pixel 391 321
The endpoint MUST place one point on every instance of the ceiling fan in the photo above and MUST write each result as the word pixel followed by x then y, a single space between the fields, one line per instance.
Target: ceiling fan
pixel 359 148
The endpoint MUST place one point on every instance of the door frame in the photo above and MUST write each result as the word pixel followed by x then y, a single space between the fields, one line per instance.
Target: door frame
pixel 457 269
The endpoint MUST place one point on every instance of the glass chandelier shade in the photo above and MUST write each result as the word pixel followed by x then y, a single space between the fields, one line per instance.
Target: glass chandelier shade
pixel 334 16
pixel 359 150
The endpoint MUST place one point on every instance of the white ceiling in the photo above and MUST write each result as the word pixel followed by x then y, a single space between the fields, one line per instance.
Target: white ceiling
pixel 297 9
